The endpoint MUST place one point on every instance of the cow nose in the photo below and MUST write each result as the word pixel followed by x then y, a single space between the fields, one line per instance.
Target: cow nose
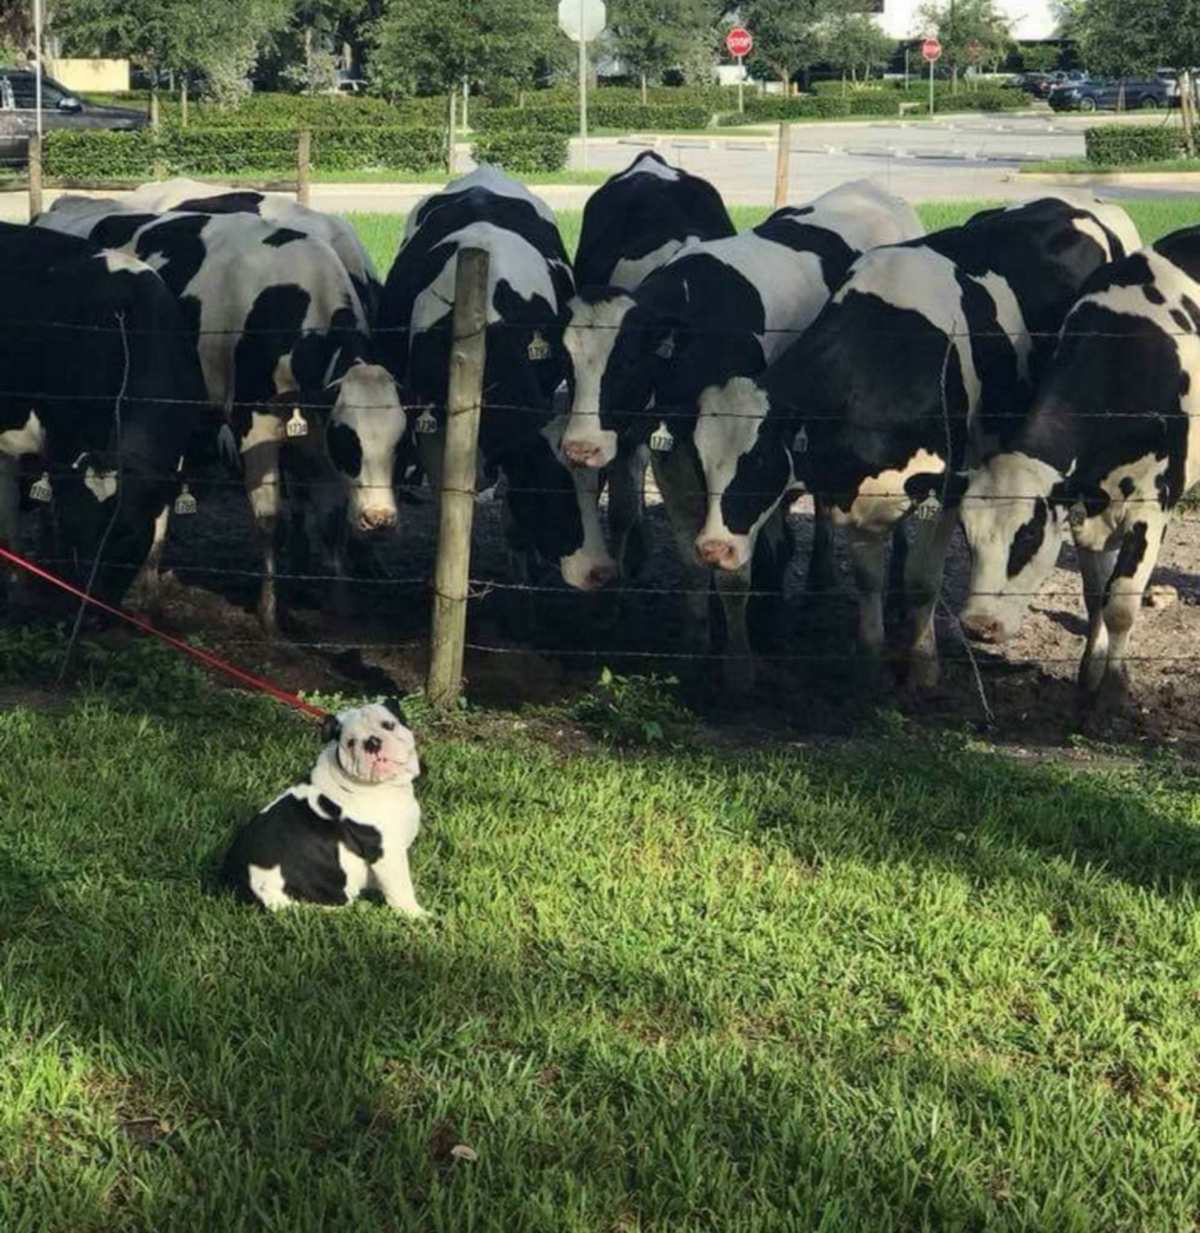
pixel 377 519
pixel 372 744
pixel 581 454
pixel 719 553
pixel 600 576
pixel 983 628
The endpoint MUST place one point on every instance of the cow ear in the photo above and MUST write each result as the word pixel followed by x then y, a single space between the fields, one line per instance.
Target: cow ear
pixel 331 729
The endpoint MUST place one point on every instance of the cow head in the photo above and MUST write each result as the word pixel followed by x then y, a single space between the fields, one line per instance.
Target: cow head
pixel 364 431
pixel 747 471
pixel 1014 529
pixel 616 354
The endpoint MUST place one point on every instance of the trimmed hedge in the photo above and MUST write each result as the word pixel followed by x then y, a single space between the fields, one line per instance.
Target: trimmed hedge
pixel 1114 144
pixel 869 103
pixel 102 155
pixel 293 111
pixel 522 152
pixel 565 120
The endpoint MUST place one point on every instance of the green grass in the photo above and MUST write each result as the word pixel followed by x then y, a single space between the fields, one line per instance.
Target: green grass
pixel 896 987
pixel 1081 166
pixel 1154 218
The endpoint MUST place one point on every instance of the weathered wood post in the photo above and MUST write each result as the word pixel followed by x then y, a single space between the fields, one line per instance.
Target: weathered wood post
pixel 304 166
pixel 457 499
pixel 782 160
pixel 35 176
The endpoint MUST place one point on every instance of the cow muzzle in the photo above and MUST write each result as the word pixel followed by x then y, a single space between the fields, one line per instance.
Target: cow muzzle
pixel 377 518
pixel 718 554
pixel 583 454
pixel 985 627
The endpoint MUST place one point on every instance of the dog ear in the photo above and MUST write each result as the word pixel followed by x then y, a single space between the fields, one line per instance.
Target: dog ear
pixel 393 705
pixel 331 729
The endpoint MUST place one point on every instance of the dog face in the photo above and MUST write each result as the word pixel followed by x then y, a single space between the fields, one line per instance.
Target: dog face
pixel 373 744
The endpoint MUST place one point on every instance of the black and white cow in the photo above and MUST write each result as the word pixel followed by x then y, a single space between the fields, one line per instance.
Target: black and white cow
pixel 718 311
pixel 925 357
pixel 638 219
pixel 632 225
pixel 283 345
pixel 184 196
pixel 99 382
pixel 1113 437
pixel 550 511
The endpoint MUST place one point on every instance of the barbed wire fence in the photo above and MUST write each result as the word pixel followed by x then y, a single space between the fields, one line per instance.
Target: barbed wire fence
pixel 454 544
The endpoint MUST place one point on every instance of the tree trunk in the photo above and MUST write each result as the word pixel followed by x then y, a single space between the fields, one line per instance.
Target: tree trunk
pixel 183 102
pixel 308 80
pixel 645 100
pixel 521 98
pixel 154 102
pixel 450 133
pixel 1187 111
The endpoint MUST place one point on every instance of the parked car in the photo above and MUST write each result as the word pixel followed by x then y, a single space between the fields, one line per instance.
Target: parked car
pixel 60 109
pixel 1138 93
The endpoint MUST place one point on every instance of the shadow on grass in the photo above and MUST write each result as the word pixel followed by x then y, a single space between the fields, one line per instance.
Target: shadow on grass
pixel 320 1067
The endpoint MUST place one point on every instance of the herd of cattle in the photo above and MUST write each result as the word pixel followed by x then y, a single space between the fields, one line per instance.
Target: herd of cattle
pixel 1033 370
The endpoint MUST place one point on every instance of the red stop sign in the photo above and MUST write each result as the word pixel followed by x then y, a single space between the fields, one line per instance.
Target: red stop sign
pixel 931 50
pixel 739 42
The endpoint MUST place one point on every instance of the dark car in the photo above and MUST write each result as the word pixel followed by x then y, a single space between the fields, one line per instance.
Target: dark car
pixel 1107 94
pixel 60 109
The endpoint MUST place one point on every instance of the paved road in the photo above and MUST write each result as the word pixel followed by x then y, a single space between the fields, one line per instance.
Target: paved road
pixel 964 157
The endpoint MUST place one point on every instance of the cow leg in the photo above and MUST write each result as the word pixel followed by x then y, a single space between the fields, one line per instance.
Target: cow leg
pixel 10 512
pixel 737 665
pixel 893 605
pixel 821 578
pixel 1136 560
pixel 147 586
pixel 868 552
pixel 263 475
pixel 923 572
pixel 333 526
pixel 626 510
pixel 678 477
pixel 1096 568
pixel 520 606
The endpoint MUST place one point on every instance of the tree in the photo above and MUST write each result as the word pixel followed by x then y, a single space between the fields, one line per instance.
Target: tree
pixel 1123 38
pixel 789 35
pixel 852 41
pixel 1040 57
pixel 218 37
pixel 651 36
pixel 966 26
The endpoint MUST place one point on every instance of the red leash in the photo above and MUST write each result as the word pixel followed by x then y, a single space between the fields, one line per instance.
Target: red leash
pixel 210 661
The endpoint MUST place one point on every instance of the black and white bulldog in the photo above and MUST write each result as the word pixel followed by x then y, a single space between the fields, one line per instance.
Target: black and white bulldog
pixel 346 829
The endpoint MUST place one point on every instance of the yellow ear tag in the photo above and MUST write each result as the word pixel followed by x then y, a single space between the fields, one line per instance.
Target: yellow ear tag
pixel 297 426
pixel 185 503
pixel 661 442
pixel 539 348
pixel 42 490
pixel 427 422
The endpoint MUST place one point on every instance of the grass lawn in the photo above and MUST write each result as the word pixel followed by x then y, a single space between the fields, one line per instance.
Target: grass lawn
pixel 1154 217
pixel 906 986
pixel 1081 166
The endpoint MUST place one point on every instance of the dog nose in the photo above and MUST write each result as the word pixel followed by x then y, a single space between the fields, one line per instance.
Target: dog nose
pixel 372 744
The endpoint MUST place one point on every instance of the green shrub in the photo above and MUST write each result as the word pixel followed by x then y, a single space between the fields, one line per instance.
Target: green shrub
pixel 629 712
pixel 714 98
pixel 565 119
pixel 884 101
pixel 100 155
pixel 293 111
pixel 522 152
pixel 1113 144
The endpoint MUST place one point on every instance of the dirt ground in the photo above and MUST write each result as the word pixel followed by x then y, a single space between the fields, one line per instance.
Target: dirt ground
pixel 547 646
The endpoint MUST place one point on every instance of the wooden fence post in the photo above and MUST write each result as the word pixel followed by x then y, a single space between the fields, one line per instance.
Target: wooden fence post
pixel 457 500
pixel 304 167
pixel 782 159
pixel 35 176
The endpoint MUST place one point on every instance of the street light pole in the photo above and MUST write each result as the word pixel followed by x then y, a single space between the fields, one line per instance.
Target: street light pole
pixel 37 63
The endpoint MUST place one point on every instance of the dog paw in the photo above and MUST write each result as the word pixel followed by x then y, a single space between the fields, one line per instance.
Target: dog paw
pixel 414 913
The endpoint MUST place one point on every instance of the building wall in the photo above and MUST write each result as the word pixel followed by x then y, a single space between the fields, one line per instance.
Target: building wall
pixel 102 76
pixel 1032 19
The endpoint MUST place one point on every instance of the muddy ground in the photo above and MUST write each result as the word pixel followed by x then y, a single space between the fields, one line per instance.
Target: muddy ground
pixel 547 646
